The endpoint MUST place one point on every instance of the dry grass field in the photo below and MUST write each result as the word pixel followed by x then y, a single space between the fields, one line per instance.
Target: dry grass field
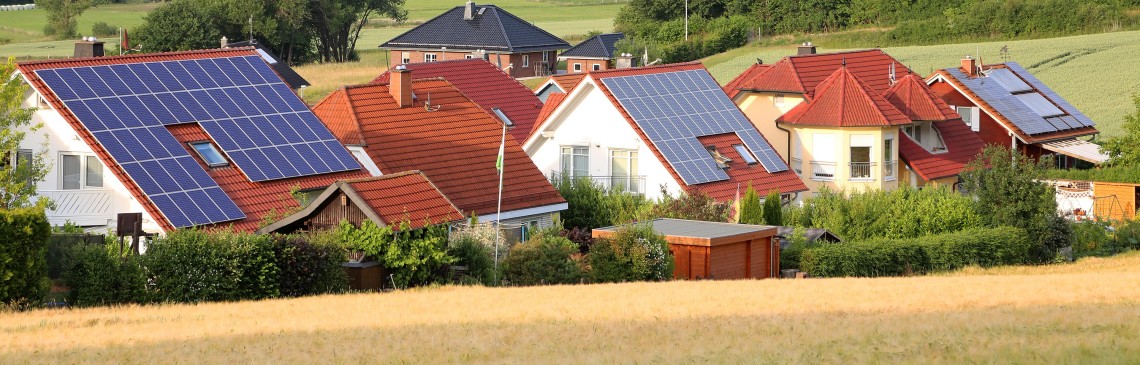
pixel 1085 312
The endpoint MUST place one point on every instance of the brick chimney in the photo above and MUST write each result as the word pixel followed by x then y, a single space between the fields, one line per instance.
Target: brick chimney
pixel 625 60
pixel 469 10
pixel 400 85
pixel 806 48
pixel 88 47
pixel 970 66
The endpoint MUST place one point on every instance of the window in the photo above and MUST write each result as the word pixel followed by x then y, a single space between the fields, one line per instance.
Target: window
pixel 914 131
pixel 860 157
pixel 429 57
pixel 889 158
pixel 597 67
pixel 778 100
pixel 15 160
pixel 405 57
pixel 545 57
pixel 209 154
pixel 526 60
pixel 744 154
pixel 468 56
pixel 623 171
pixel 577 67
pixel 78 171
pixel 797 155
pixel 971 117
pixel 824 153
pixel 576 161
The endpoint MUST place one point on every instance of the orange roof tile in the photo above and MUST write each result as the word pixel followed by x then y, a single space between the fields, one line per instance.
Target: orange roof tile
pixel 842 100
pixel 342 123
pixel 486 85
pixel 564 81
pixel 741 174
pixel 404 196
pixel 962 146
pixel 912 97
pixel 455 144
pixel 733 87
pixel 552 102
pixel 804 73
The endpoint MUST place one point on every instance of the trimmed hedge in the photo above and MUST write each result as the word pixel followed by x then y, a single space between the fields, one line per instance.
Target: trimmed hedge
pixel 97 276
pixel 543 260
pixel 196 266
pixel 23 255
pixel 897 257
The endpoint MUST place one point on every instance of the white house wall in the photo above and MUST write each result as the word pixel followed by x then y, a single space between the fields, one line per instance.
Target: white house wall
pixel 89 207
pixel 588 118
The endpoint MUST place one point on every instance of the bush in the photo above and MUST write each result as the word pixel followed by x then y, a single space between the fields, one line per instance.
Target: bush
pixel 984 247
pixel 797 243
pixel 416 257
pixel 102 29
pixel 634 253
pixel 195 266
pixel 543 259
pixel 23 255
pixel 477 257
pixel 98 276
pixel 591 206
pixel 309 264
pixel 900 213
pixel 1011 194
pixel 751 211
pixel 773 209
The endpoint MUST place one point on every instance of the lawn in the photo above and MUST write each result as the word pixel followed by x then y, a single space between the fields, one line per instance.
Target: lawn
pixel 1085 312
pixel 1096 72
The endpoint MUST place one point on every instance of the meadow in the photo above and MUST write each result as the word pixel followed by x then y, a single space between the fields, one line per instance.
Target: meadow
pixel 1085 312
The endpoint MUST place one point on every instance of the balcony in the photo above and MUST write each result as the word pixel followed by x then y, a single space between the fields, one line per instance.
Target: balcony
pixel 861 171
pixel 889 169
pixel 633 184
pixel 822 171
pixel 82 207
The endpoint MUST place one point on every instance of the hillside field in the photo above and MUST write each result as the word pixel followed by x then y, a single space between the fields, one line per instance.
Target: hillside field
pixel 1086 312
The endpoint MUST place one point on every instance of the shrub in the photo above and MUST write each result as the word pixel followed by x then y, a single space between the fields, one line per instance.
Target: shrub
pixel 477 257
pixel 591 206
pixel 23 254
pixel 98 276
pixel 797 243
pixel 543 259
pixel 309 264
pixel 694 205
pixel 984 247
pixel 415 257
pixel 195 266
pixel 751 211
pixel 1127 235
pixel 900 213
pixel 1092 238
pixel 634 253
pixel 102 29
pixel 772 209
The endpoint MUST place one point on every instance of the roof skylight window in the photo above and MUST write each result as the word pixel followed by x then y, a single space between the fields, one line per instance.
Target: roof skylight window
pixel 744 154
pixel 209 153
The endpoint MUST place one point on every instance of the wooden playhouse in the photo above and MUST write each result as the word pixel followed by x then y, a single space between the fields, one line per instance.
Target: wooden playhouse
pixel 713 250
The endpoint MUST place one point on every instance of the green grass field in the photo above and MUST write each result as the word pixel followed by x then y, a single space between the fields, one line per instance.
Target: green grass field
pixel 1097 73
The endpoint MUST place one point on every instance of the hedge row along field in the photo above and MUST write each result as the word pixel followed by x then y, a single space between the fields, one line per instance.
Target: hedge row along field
pixel 898 257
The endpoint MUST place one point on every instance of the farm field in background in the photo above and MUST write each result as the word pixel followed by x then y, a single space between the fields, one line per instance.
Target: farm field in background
pixel 1096 72
pixel 1086 312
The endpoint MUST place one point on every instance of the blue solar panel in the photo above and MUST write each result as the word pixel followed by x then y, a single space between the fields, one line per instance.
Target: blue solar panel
pixel 266 130
pixel 1005 103
pixel 674 108
pixel 1078 117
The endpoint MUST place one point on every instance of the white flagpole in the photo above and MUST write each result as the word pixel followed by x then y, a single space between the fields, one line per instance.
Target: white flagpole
pixel 502 167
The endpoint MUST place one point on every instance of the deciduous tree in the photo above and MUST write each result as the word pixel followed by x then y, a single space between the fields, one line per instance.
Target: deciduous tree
pixel 19 171
pixel 1125 149
pixel 63 16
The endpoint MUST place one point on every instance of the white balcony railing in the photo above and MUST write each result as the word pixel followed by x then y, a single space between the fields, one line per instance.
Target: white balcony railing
pixel 628 183
pixel 83 207
pixel 861 171
pixel 889 170
pixel 797 165
pixel 822 171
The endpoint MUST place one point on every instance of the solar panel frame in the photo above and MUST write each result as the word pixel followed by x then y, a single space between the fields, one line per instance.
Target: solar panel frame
pixel 1048 92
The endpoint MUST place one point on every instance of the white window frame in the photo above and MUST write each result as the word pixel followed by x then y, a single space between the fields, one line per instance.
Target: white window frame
pixel 597 67
pixel 431 57
pixel 85 160
pixel 573 152
pixel 468 56
pixel 225 162
pixel 631 176
pixel 526 60
pixel 577 67
pixel 971 117
pixel 824 168
pixel 405 57
pixel 890 163
pixel 546 57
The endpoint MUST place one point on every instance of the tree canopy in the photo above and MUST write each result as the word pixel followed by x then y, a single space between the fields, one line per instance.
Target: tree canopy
pixel 19 170
pixel 1125 149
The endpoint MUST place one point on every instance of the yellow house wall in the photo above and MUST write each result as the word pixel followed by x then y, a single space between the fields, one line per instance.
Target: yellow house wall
pixel 762 110
pixel 842 158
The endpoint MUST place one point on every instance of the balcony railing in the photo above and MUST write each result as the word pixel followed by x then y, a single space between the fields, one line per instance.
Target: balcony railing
pixel 822 171
pixel 889 169
pixel 797 166
pixel 628 183
pixel 83 207
pixel 861 171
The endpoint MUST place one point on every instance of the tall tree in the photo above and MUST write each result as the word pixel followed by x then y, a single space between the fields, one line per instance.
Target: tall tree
pixel 1125 149
pixel 63 16
pixel 19 170
pixel 751 212
pixel 773 209
pixel 337 24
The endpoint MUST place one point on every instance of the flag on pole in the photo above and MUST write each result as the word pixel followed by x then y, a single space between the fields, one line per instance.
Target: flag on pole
pixel 124 42
pixel 499 161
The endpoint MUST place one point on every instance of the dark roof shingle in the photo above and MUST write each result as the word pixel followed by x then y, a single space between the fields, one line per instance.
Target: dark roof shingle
pixel 494 29
pixel 599 46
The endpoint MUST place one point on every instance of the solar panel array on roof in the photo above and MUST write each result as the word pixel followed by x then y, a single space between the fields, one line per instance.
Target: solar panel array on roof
pixel 1009 105
pixel 1009 81
pixel 1039 104
pixel 675 108
pixel 245 107
pixel 1077 116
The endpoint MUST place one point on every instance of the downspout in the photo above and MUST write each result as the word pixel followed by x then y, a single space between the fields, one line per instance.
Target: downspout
pixel 789 133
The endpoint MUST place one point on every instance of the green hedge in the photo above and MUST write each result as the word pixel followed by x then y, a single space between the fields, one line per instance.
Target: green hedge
pixel 97 276
pixel 23 263
pixel 635 253
pixel 896 257
pixel 901 213
pixel 197 266
pixel 543 260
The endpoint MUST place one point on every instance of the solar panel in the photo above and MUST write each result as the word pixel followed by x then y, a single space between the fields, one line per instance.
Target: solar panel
pixel 674 108
pixel 1006 103
pixel 1079 117
pixel 1039 104
pixel 264 128
pixel 1009 81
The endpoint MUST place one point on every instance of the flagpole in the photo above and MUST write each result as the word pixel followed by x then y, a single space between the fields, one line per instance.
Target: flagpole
pixel 501 165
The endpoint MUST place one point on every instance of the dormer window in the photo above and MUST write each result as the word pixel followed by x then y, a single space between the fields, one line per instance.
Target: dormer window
pixel 926 136
pixel 209 153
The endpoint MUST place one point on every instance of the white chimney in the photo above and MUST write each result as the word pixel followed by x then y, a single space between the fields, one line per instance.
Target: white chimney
pixel 469 10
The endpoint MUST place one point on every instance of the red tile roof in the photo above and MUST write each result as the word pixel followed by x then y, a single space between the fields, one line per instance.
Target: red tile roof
pixel 455 145
pixel 785 181
pixel 842 100
pixel 552 102
pixel 486 85
pixel 802 74
pixel 254 199
pixel 733 87
pixel 962 146
pixel 741 174
pixel 912 97
pixel 404 196
pixel 564 81
pixel 342 122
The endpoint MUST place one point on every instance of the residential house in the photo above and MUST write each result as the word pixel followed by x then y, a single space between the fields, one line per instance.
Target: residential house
pixel 843 120
pixel 557 84
pixel 1008 106
pixel 594 54
pixel 479 31
pixel 646 129
pixel 430 126
pixel 199 138
pixel 280 66
pixel 486 85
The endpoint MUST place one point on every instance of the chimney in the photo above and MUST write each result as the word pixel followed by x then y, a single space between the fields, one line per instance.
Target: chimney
pixel 970 66
pixel 225 41
pixel 469 11
pixel 89 47
pixel 624 60
pixel 806 48
pixel 400 85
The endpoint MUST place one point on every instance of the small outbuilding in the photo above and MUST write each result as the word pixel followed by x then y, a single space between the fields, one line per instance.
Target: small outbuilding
pixel 714 250
pixel 785 233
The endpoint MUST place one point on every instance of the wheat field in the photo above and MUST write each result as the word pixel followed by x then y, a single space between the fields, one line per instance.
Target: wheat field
pixel 1085 312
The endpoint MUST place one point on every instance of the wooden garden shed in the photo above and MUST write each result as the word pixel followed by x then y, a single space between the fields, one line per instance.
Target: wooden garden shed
pixel 713 250
pixel 1115 201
